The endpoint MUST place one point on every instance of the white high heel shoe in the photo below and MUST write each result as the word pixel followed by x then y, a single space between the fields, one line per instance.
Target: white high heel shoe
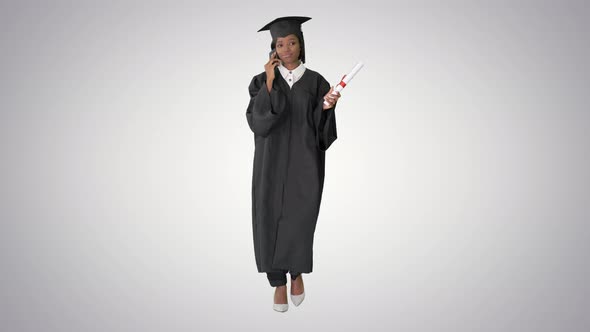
pixel 280 307
pixel 297 299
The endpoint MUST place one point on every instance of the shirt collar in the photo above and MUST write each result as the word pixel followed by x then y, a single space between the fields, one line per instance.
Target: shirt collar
pixel 297 72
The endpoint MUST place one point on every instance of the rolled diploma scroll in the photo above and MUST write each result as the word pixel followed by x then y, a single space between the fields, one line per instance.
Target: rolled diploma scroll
pixel 345 80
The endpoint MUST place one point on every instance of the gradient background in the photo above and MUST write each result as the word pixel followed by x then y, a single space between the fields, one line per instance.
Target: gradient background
pixel 456 195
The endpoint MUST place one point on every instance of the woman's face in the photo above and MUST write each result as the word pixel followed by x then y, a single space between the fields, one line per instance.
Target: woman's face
pixel 288 48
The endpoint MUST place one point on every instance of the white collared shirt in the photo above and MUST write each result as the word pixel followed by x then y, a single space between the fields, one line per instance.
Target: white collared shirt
pixel 292 76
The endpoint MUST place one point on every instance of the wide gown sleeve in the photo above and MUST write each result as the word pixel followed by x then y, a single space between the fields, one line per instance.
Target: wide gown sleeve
pixel 265 109
pixel 325 120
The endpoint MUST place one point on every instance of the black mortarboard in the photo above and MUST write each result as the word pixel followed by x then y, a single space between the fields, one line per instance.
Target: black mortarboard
pixel 284 26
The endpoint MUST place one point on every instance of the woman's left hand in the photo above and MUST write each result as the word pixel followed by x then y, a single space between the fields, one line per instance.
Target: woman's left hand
pixel 331 99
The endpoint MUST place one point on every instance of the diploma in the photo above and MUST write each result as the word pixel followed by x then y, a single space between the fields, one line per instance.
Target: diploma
pixel 345 79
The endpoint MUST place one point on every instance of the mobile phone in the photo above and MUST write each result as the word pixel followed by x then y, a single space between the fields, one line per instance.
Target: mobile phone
pixel 271 52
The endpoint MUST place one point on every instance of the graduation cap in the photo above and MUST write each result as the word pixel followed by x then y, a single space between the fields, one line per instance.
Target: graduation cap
pixel 284 26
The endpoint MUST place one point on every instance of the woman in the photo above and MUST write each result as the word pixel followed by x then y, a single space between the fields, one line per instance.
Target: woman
pixel 292 130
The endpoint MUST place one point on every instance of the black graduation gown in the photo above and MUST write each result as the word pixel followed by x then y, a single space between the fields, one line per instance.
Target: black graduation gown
pixel 291 135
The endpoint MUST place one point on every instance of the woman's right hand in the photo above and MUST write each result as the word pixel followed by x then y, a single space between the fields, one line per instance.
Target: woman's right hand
pixel 269 67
